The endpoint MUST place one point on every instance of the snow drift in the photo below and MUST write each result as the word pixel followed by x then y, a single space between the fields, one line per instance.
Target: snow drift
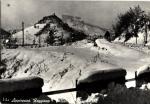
pixel 60 66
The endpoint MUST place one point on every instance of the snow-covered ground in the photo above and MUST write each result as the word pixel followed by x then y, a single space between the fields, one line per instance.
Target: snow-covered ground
pixel 60 66
pixel 29 34
pixel 132 40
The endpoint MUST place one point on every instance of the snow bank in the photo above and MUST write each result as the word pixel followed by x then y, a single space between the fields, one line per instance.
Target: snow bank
pixel 12 85
pixel 130 75
pixel 82 44
pixel 140 39
pixel 132 40
pixel 143 68
pixel 117 49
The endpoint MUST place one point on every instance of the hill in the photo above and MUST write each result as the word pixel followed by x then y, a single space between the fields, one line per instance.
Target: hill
pixel 50 30
pixel 79 24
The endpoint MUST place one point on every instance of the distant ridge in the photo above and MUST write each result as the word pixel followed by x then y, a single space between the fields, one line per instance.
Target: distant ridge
pixel 79 24
pixel 104 29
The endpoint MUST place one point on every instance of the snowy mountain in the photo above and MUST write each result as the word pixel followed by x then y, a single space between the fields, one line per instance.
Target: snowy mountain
pixel 50 29
pixel 60 30
pixel 79 24
pixel 56 31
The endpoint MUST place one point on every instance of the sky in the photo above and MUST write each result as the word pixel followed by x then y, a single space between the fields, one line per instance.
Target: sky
pixel 101 13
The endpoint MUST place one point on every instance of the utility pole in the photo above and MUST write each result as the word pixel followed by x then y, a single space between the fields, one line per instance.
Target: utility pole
pixel 39 40
pixel 22 33
pixel 145 33
pixel 146 25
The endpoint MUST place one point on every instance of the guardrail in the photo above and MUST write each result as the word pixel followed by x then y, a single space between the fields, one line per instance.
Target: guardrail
pixel 31 87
